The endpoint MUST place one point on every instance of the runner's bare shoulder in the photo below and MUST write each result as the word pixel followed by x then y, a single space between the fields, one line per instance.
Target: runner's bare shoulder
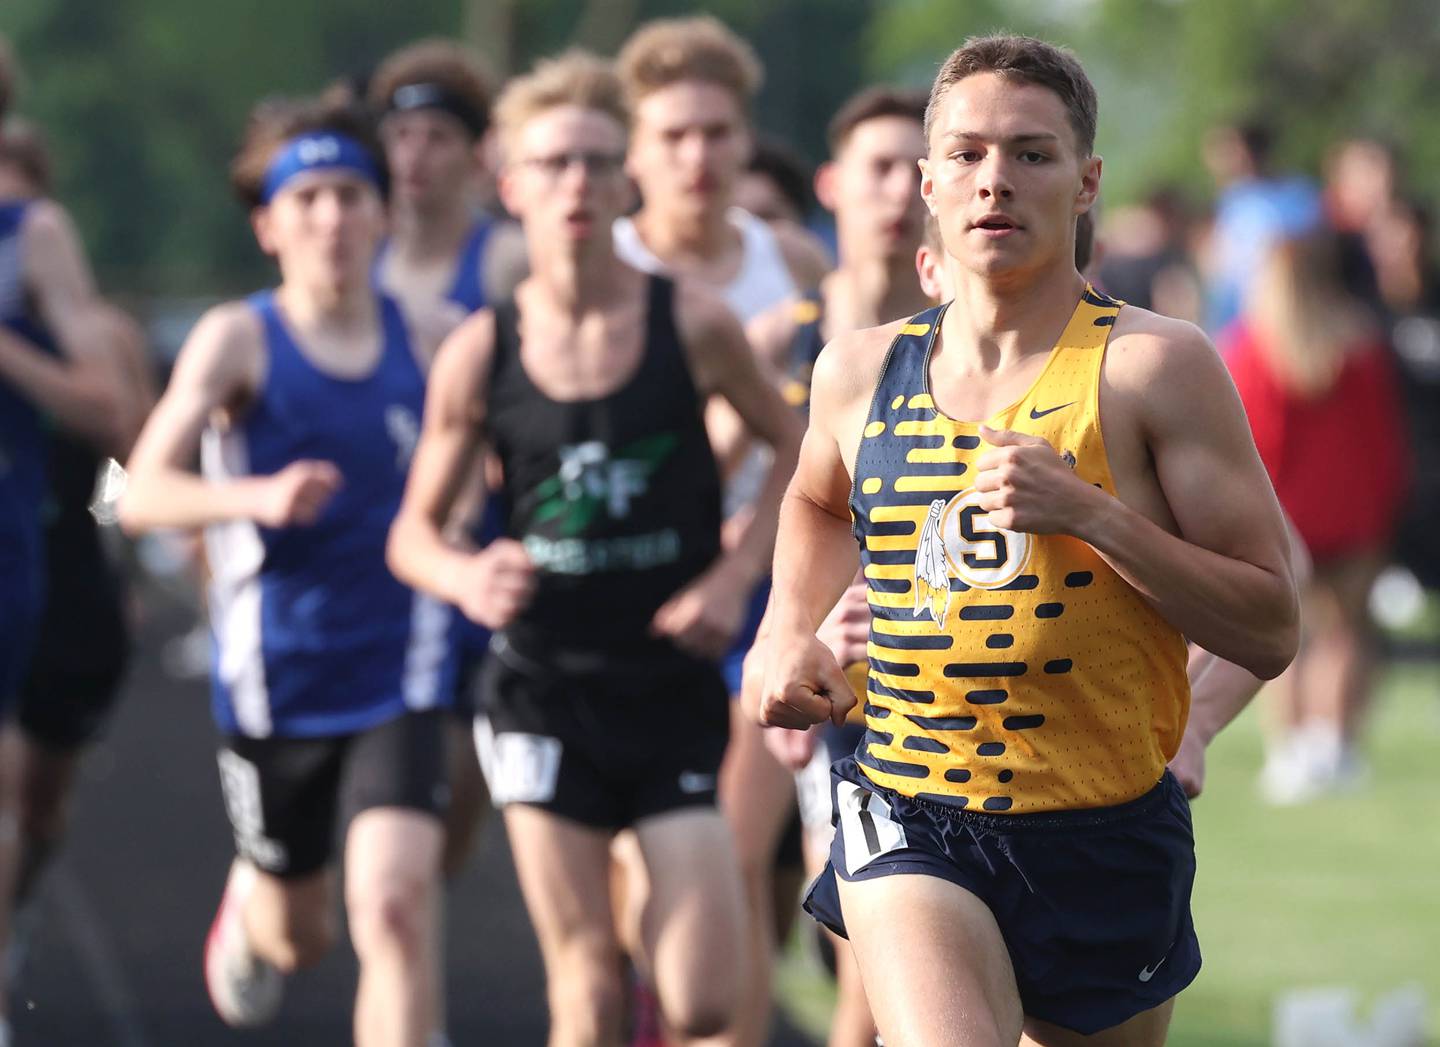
pixel 848 368
pixel 1152 358
pixel 225 352
pixel 460 375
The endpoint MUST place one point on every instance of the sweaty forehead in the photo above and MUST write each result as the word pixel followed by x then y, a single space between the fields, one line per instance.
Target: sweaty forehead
pixel 992 106
pixel 687 103
pixel 571 127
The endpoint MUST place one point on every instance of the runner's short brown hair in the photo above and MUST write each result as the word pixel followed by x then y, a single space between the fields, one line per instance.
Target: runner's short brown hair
pixel 275 121
pixel 1026 60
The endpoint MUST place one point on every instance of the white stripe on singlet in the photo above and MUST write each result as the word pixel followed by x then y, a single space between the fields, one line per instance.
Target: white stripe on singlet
pixel 425 653
pixel 236 553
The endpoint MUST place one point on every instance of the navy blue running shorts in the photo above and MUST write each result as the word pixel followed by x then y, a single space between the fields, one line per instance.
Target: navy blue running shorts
pixel 286 797
pixel 1094 904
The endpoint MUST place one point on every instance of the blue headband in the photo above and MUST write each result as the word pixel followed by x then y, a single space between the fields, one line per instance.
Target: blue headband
pixel 317 151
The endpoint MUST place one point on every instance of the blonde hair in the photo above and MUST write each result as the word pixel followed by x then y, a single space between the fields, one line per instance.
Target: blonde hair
pixel 1306 321
pixel 576 77
pixel 670 50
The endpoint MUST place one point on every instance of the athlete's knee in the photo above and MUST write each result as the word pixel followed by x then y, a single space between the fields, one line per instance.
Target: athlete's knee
pixel 589 1000
pixel 392 914
pixel 585 989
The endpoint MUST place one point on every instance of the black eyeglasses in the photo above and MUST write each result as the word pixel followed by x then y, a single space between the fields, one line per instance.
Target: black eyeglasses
pixel 596 164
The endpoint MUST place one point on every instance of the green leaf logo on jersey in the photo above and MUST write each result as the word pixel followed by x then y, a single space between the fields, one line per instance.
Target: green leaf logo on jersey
pixel 591 480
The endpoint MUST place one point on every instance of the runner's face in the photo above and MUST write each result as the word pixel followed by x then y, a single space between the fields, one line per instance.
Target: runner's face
pixel 689 148
pixel 1005 177
pixel 431 155
pixel 323 226
pixel 564 175
pixel 874 188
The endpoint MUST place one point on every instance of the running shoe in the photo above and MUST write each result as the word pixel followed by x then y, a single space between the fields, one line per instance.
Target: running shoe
pixel 245 989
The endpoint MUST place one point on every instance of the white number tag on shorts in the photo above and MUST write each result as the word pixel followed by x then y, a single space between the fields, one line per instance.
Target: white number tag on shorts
pixel 519 768
pixel 867 826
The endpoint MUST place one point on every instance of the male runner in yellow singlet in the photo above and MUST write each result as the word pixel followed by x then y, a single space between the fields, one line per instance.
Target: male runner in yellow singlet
pixel 1012 858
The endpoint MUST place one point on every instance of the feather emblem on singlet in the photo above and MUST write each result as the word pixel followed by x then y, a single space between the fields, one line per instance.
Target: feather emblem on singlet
pixel 932 581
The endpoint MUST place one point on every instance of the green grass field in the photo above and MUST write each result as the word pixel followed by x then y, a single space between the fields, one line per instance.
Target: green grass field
pixel 1341 892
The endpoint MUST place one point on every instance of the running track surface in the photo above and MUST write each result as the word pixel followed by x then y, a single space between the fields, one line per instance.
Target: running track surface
pixel 116 960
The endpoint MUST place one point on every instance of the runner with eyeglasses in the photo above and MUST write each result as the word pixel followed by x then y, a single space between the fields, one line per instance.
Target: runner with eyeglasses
pixel 605 709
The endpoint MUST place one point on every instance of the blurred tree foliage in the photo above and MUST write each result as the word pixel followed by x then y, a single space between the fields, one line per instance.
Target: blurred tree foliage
pixel 144 101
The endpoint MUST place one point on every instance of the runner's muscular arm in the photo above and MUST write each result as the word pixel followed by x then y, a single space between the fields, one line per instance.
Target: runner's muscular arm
pixel 489 586
pixel 1224 580
pixel 705 615
pixel 769 335
pixel 725 366
pixel 815 553
pixel 219 366
pixel 78 389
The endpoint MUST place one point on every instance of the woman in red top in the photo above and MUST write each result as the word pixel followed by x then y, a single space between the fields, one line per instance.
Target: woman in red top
pixel 1319 387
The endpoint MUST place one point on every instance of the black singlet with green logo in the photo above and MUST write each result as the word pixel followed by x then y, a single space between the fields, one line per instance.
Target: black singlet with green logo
pixel 616 499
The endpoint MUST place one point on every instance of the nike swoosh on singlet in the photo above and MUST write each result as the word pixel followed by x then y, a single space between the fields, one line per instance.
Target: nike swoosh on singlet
pixel 1034 414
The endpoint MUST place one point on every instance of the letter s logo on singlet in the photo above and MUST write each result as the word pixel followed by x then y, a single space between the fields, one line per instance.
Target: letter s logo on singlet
pixel 958 541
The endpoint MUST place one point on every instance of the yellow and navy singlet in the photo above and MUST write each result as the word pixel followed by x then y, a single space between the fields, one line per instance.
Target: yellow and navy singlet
pixel 1009 671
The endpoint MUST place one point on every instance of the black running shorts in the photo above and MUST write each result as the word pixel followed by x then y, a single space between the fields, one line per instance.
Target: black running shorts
pixel 605 751
pixel 283 794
